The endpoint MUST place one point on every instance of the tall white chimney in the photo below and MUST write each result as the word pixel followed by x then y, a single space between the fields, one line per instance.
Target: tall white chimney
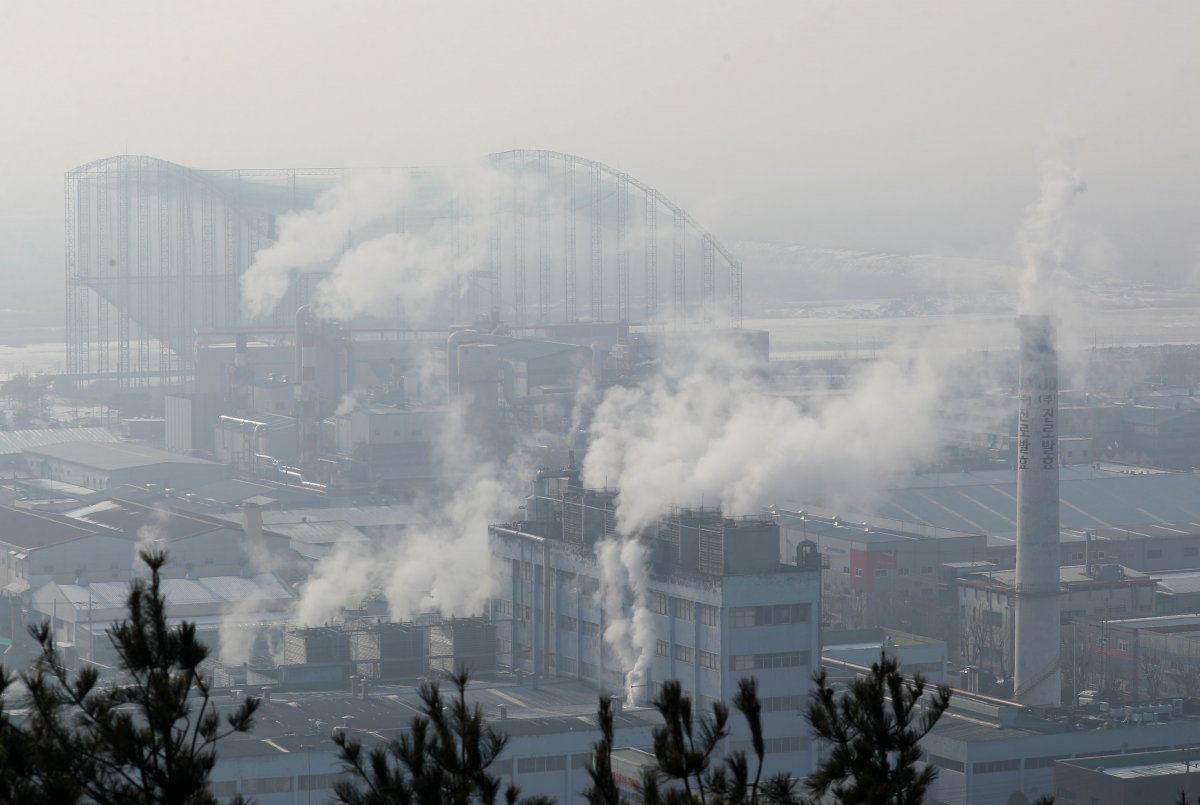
pixel 1037 677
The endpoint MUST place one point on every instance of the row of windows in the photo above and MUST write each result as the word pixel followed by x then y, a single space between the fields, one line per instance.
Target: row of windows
pixel 989 766
pixel 543 763
pixel 769 615
pixel 267 785
pixel 882 572
pixel 774 746
pixel 783 704
pixel 944 762
pixel 755 662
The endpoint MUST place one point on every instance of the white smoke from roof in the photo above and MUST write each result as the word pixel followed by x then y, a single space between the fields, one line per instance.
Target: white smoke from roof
pixel 443 565
pixel 706 428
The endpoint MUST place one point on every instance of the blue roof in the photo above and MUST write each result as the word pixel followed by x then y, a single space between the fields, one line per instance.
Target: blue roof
pixel 986 502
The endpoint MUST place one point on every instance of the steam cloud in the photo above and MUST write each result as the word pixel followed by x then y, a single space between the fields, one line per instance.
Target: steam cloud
pixel 1044 232
pixel 705 428
pixel 420 269
pixel 443 566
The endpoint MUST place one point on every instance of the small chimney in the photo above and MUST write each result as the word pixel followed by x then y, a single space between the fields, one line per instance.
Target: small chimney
pixel 504 712
pixel 252 522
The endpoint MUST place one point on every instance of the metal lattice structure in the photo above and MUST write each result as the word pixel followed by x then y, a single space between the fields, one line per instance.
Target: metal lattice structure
pixel 155 252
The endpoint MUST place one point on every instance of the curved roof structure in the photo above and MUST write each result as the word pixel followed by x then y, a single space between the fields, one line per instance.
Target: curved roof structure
pixel 157 251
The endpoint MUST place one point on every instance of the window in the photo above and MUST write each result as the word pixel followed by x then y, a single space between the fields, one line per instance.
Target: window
pixel 773 746
pixel 943 762
pixel 588 585
pixel 589 671
pixel 858 572
pixel 683 609
pixel 1154 553
pixel 902 571
pixel 567 581
pixel 313 782
pixel 880 573
pixel 683 653
pixel 661 648
pixel 709 615
pixel 1043 762
pixel 784 704
pixel 566 665
pixel 754 662
pixel 660 604
pixel 991 766
pixel 581 760
pixel 504 606
pixel 567 623
pixel 267 785
pixel 1191 551
pixel 709 660
pixel 544 763
pixel 846 569
pixel 591 629
pixel 927 570
pixel 768 615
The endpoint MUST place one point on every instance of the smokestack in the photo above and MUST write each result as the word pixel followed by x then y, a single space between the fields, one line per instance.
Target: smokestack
pixel 1036 680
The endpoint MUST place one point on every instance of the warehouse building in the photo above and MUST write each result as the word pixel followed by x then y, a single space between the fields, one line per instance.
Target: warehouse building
pixel 100 466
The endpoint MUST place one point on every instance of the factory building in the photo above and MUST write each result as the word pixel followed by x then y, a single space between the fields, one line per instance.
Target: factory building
pixel 82 613
pixel 1139 778
pixel 98 465
pixel 881 573
pixel 991 751
pixel 1136 659
pixel 289 757
pixel 987 605
pixel 721 602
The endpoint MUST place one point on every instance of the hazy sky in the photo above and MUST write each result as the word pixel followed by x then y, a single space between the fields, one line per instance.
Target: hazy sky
pixel 901 126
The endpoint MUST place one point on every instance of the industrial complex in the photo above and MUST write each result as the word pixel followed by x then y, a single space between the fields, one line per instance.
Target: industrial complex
pixel 316 477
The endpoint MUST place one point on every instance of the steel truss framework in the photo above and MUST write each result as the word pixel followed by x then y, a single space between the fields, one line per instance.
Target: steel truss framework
pixel 155 253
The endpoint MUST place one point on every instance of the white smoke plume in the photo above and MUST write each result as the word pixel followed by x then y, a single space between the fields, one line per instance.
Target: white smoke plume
pixel 1045 230
pixel 705 428
pixel 150 537
pixel 443 565
pixel 308 238
pixel 417 269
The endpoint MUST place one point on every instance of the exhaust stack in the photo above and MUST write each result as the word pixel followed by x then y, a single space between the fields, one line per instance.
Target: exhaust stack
pixel 1037 676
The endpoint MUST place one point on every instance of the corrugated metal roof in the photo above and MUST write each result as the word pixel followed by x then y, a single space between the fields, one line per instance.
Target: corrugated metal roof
pixel 207 590
pixel 116 456
pixel 14 441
